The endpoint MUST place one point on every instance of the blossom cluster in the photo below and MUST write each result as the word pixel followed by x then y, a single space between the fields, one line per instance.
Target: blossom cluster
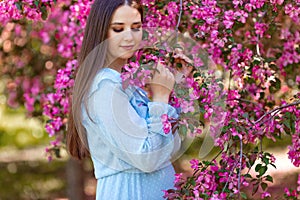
pixel 56 105
pixel 62 30
pixel 28 9
pixel 293 194
pixel 166 123
pixel 210 180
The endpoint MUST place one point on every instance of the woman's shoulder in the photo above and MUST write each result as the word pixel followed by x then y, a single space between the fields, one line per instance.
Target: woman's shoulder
pixel 108 73
pixel 113 78
pixel 105 74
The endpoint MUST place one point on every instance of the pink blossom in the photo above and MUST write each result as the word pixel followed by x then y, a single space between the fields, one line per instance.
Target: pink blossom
pixel 187 106
pixel 298 80
pixel 292 11
pixel 166 124
pixel 260 28
pixel 178 177
pixel 265 195
pixel 228 19
pixel 237 3
pixel 194 164
pixel 241 16
pixel 294 150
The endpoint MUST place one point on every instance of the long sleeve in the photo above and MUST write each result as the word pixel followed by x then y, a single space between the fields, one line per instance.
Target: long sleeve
pixel 132 136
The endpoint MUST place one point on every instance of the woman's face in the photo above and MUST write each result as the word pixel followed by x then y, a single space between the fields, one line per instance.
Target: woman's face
pixel 125 32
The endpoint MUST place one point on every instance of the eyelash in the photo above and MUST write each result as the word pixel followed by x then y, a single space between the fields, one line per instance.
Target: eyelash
pixel 120 30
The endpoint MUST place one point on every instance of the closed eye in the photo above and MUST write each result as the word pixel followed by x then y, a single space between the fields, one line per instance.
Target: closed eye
pixel 136 29
pixel 118 30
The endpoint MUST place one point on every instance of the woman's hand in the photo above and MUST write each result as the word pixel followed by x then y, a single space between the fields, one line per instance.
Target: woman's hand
pixel 186 69
pixel 162 84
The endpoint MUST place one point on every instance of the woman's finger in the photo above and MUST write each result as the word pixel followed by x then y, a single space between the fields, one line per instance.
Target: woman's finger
pixel 183 57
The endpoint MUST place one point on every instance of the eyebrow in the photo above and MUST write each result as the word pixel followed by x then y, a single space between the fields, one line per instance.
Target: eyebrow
pixel 120 23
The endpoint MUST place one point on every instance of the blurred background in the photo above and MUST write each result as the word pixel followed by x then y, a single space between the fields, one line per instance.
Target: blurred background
pixel 26 172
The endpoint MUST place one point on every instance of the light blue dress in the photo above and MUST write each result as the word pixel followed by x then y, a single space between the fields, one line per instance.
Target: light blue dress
pixel 130 152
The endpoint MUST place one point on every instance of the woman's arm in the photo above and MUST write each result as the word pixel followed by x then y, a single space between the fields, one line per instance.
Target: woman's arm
pixel 138 141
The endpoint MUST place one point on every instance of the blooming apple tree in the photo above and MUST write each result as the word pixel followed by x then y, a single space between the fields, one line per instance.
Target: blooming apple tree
pixel 243 91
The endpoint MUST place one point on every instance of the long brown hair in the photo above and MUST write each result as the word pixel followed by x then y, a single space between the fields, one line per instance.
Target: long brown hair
pixel 91 59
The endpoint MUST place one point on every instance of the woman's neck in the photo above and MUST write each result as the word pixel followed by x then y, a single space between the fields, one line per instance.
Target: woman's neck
pixel 118 64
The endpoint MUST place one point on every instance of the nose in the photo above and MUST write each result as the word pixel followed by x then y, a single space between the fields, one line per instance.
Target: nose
pixel 128 35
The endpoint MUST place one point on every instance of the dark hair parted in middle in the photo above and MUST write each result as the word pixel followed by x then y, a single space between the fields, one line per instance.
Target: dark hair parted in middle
pixel 91 59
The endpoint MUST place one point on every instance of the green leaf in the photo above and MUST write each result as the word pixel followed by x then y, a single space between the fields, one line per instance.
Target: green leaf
pixel 36 3
pixel 255 188
pixel 246 115
pixel 193 182
pixel 265 7
pixel 258 167
pixel 200 21
pixel 145 34
pixel 57 152
pixel 287 123
pixel 228 31
pixel 269 178
pixel 191 127
pixel 293 117
pixel 275 85
pixel 255 150
pixel 249 164
pixel 293 127
pixel 202 110
pixel 287 115
pixel 178 65
pixel 262 95
pixel 205 162
pixel 247 176
pixel 263 170
pixel 264 186
pixel 44 12
pixel 271 59
pixel 183 130
pixel 253 180
pixel 160 5
pixel 273 66
pixel 225 128
pixel 243 195
pixel 231 39
pixel 236 138
pixel 197 74
pixel 18 5
pixel 256 62
pixel 267 154
pixel 266 160
pixel 273 165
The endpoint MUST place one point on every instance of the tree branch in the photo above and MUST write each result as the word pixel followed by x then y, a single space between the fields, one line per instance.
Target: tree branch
pixel 229 81
pixel 229 176
pixel 276 109
pixel 240 162
pixel 179 19
pixel 275 113
pixel 242 100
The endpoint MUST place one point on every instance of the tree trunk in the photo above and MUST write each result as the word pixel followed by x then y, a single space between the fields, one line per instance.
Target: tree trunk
pixel 75 180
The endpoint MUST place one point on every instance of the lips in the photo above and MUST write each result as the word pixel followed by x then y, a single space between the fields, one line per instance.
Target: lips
pixel 127 47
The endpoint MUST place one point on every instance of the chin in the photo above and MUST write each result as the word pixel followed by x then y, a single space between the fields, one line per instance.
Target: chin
pixel 127 55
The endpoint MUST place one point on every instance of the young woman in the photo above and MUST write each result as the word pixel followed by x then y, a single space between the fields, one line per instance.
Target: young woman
pixel 121 129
